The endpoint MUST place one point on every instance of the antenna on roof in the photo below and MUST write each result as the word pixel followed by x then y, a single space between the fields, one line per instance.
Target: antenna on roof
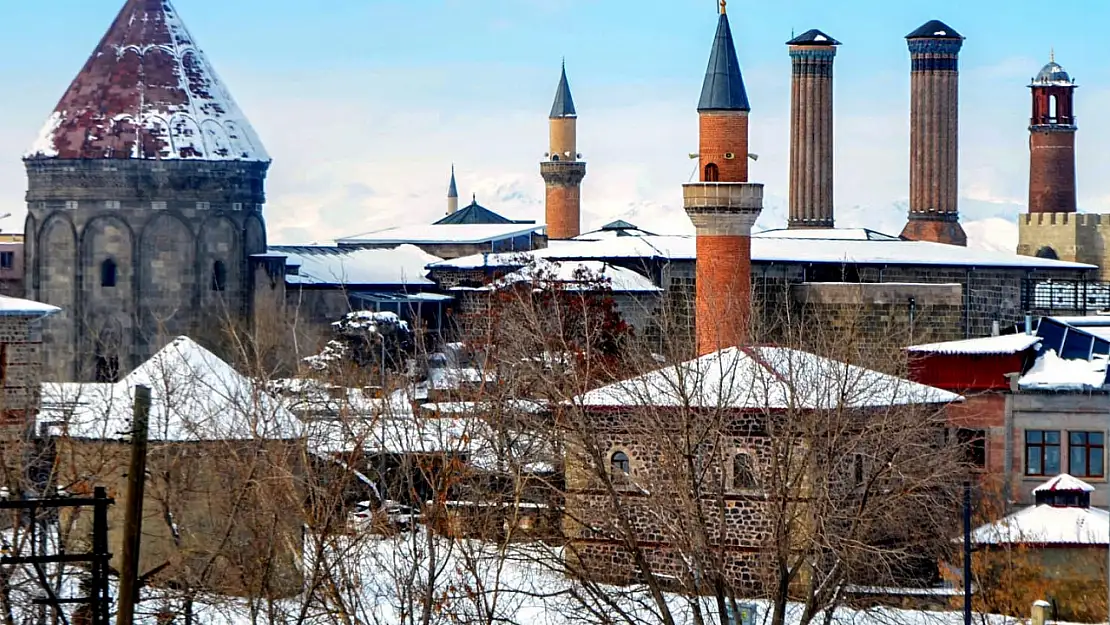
pixel 1052 54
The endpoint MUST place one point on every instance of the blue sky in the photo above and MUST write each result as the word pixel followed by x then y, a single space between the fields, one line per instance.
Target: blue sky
pixel 364 104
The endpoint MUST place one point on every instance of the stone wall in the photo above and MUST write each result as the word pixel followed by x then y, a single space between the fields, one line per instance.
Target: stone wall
pixel 21 355
pixel 137 253
pixel 1076 237
pixel 236 505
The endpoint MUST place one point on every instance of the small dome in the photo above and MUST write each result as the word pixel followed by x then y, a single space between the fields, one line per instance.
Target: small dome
pixel 1052 74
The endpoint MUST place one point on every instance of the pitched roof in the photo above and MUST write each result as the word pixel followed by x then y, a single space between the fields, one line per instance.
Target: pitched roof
pixel 563 106
pixel 195 396
pixel 148 92
pixel 332 265
pixel 813 37
pixel 1066 483
pixel 754 378
pixel 475 213
pixel 442 233
pixel 587 275
pixel 723 89
pixel 934 29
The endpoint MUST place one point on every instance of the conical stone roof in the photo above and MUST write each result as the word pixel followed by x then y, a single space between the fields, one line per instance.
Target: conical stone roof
pixel 148 92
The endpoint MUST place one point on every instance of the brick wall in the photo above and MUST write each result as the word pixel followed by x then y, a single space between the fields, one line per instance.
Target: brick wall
pixel 721 134
pixel 1052 171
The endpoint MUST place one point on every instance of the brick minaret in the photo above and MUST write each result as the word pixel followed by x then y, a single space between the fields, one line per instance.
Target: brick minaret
pixel 562 171
pixel 452 194
pixel 934 133
pixel 1052 142
pixel 723 205
pixel 811 130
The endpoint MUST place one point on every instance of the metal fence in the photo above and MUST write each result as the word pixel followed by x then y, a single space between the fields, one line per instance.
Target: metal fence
pixel 1073 297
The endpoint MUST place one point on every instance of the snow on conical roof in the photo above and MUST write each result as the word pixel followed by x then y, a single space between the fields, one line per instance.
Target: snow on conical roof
pixel 148 92
pixel 1065 482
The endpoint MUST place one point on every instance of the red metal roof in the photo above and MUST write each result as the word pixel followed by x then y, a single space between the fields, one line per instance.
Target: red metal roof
pixel 148 92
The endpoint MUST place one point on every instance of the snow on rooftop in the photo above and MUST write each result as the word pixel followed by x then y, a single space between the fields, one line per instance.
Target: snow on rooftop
pixel 16 307
pixel 148 92
pixel 587 274
pixel 443 233
pixel 1006 344
pixel 855 245
pixel 1064 482
pixel 1052 373
pixel 1048 525
pixel 764 378
pixel 402 265
pixel 195 396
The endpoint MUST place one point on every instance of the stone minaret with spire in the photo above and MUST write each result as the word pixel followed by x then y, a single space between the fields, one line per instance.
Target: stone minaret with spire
pixel 811 130
pixel 723 205
pixel 1052 141
pixel 563 171
pixel 934 135
pixel 452 194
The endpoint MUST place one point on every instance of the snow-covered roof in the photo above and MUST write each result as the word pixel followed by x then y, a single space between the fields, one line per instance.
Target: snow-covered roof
pixel 1064 482
pixel 17 307
pixel 402 265
pixel 784 246
pixel 148 92
pixel 1048 525
pixel 442 233
pixel 1052 373
pixel 194 396
pixel 1006 344
pixel 584 274
pixel 764 378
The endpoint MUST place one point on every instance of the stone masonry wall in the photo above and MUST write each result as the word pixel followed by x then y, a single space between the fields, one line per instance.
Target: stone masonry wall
pixel 178 235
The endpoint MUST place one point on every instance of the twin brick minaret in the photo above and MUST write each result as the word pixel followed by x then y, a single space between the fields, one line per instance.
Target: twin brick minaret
pixel 934 132
pixel 1052 142
pixel 562 171
pixel 723 205
pixel 811 130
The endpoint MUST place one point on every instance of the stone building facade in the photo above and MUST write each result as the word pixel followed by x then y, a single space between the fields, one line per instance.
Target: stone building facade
pixel 144 201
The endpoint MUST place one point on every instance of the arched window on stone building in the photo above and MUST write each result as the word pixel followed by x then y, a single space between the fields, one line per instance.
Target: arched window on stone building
pixel 108 272
pixel 219 276
pixel 1047 252
pixel 619 463
pixel 712 173
pixel 743 472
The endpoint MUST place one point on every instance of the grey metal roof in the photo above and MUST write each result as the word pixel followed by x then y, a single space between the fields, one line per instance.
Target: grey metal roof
pixel 452 190
pixel 564 103
pixel 474 214
pixel 813 37
pixel 1052 75
pixel 934 29
pixel 723 89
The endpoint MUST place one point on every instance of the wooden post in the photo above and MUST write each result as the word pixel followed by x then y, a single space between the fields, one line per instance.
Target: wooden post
pixel 133 521
pixel 1040 612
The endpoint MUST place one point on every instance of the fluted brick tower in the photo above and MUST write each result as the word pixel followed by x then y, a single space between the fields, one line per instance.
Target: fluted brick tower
pixel 811 130
pixel 562 171
pixel 723 206
pixel 452 194
pixel 934 134
pixel 1052 142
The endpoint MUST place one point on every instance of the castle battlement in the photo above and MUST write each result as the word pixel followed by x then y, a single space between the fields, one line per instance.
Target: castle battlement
pixel 1080 220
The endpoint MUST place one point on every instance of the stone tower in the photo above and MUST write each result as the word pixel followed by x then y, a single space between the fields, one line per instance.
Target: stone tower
pixel 1052 142
pixel 934 134
pixel 452 194
pixel 145 194
pixel 563 171
pixel 811 130
pixel 723 205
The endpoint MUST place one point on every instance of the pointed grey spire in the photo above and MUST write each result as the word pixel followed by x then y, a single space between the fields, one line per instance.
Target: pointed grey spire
pixel 723 89
pixel 452 190
pixel 564 103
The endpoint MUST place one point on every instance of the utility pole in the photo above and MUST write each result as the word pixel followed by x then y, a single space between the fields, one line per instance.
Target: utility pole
pixel 133 521
pixel 967 552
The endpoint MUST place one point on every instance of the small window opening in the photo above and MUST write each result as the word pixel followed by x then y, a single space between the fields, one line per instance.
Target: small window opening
pixel 108 273
pixel 619 463
pixel 219 276
pixel 712 173
pixel 743 472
